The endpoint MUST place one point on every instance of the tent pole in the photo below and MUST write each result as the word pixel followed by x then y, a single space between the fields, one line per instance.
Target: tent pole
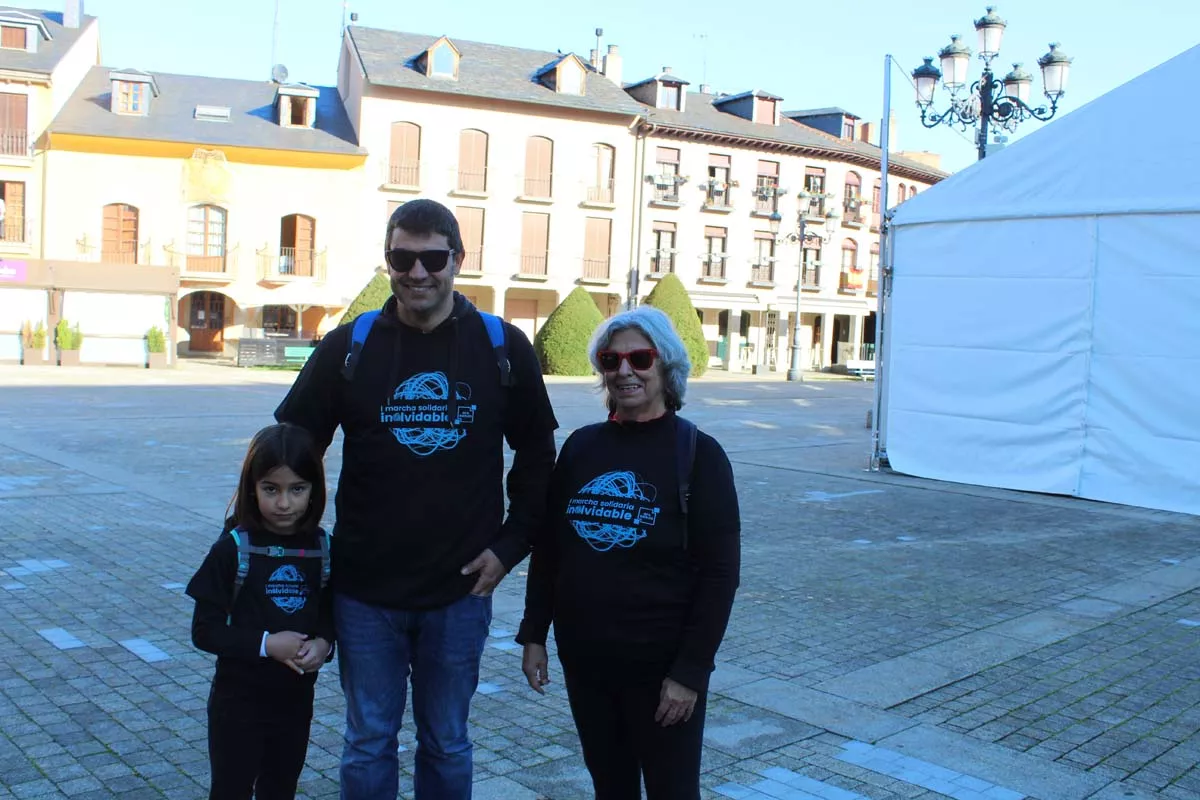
pixel 884 282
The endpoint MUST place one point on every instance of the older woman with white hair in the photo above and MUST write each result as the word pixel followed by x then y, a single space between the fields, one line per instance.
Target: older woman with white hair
pixel 636 568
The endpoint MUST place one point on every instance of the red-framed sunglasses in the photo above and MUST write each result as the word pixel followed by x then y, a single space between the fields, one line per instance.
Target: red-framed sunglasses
pixel 403 260
pixel 641 360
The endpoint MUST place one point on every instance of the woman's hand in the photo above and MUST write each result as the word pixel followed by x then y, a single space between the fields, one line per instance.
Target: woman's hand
pixel 675 703
pixel 534 665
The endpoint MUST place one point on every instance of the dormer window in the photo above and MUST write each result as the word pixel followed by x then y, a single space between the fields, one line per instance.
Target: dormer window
pixel 671 93
pixel 20 31
pixel 297 105
pixel 664 90
pixel 441 60
pixel 565 75
pixel 132 91
pixel 757 106
pixel 570 77
pixel 13 37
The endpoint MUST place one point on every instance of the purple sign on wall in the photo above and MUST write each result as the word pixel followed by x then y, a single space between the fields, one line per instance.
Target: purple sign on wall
pixel 12 270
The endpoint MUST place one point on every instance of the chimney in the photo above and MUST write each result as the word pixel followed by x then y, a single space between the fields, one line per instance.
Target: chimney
pixel 73 14
pixel 594 59
pixel 869 133
pixel 666 70
pixel 612 65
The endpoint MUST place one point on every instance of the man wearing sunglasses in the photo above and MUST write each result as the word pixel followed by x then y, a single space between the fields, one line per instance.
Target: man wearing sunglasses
pixel 421 540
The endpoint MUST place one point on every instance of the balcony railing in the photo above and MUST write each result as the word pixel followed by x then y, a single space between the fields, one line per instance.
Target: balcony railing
pixel 534 264
pixel 666 193
pixel 123 253
pixel 853 212
pixel 202 266
pixel 596 268
pixel 291 263
pixel 537 186
pixel 816 207
pixel 766 198
pixel 716 195
pixel 13 230
pixel 472 180
pixel 762 273
pixel 404 173
pixel 14 142
pixel 810 279
pixel 662 262
pixel 714 266
pixel 473 260
pixel 601 192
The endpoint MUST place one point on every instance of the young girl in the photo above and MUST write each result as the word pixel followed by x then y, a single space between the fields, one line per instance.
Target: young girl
pixel 262 607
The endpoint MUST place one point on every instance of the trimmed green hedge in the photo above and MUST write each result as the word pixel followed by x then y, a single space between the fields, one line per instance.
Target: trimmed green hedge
pixel 373 296
pixel 671 298
pixel 562 343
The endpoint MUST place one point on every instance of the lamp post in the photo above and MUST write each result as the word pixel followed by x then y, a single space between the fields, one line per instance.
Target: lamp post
pixel 795 372
pixel 989 101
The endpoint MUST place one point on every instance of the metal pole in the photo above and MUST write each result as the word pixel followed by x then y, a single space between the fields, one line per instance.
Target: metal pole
pixel 274 36
pixel 884 280
pixel 986 90
pixel 795 372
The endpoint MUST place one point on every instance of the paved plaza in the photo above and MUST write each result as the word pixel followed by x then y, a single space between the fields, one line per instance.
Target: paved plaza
pixel 892 637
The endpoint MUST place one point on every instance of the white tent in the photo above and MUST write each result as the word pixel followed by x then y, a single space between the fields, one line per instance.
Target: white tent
pixel 1043 331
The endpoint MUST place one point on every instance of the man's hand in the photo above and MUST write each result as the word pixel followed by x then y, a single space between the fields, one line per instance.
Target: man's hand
pixel 490 570
pixel 675 703
pixel 284 646
pixel 312 654
pixel 533 664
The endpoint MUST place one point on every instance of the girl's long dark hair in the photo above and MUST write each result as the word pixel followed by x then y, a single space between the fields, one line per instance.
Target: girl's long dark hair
pixel 283 445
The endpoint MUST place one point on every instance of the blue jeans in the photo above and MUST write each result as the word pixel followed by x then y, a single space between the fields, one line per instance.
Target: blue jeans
pixel 377 649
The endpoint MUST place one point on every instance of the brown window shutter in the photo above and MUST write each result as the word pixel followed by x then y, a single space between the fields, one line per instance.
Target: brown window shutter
pixel 663 226
pixel 405 144
pixel 535 230
pixel 715 160
pixel 763 236
pixel 306 233
pixel 714 233
pixel 470 224
pixel 817 172
pixel 287 231
pixel 12 37
pixel 14 201
pixel 598 238
pixel 852 179
pixel 667 155
pixel 768 168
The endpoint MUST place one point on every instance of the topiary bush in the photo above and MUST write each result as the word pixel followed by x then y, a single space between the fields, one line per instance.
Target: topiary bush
pixel 671 298
pixel 372 297
pixel 156 341
pixel 562 343
pixel 68 337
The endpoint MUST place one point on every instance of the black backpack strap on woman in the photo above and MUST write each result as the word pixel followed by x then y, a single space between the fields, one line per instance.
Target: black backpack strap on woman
pixel 685 461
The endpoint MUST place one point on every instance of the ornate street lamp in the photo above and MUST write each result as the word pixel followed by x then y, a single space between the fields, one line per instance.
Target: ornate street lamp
pixel 801 234
pixel 1004 103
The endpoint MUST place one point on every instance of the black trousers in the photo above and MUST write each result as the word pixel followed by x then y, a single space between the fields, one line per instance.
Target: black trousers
pixel 257 742
pixel 622 744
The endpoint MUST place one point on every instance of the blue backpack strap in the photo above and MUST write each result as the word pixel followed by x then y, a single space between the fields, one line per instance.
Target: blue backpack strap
pixel 242 540
pixel 358 337
pixel 495 332
pixel 685 459
pixel 325 560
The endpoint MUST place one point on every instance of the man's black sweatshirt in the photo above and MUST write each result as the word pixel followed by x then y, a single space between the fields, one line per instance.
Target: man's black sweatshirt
pixel 611 570
pixel 421 492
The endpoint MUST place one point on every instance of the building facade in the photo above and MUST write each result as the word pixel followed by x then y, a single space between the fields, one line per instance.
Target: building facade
pixel 231 210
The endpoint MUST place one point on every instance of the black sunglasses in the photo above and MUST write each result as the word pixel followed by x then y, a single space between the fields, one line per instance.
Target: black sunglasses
pixel 402 260
pixel 641 360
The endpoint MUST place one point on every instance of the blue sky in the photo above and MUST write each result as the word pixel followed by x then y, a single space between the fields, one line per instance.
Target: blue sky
pixel 812 54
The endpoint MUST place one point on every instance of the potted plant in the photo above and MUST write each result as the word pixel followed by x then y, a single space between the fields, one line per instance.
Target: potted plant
pixel 33 340
pixel 156 349
pixel 68 339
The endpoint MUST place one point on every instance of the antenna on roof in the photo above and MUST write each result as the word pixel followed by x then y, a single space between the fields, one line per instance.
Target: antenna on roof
pixel 274 36
pixel 703 37
pixel 599 33
pixel 279 73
